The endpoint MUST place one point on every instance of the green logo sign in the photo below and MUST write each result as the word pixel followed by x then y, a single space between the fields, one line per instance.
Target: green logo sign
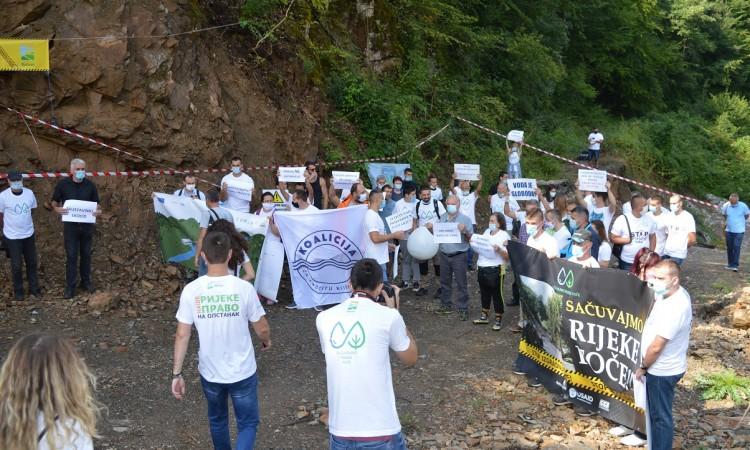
pixel 27 54
pixel 565 278
pixel 355 337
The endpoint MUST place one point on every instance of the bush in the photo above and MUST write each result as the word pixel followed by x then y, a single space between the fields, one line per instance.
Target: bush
pixel 725 385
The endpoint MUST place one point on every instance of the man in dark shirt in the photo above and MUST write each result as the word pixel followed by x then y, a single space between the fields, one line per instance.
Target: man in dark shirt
pixel 409 179
pixel 78 237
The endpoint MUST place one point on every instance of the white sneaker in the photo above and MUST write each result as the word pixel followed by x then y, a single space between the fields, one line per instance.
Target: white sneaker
pixel 633 441
pixel 620 431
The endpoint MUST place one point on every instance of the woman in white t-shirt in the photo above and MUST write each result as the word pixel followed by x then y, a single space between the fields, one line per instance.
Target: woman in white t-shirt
pixel 46 400
pixel 605 248
pixel 491 269
pixel 240 260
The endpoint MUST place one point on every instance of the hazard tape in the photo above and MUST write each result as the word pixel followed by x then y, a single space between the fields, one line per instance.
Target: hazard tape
pixel 586 166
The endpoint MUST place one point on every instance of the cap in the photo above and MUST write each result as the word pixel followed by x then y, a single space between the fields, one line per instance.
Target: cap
pixel 581 236
pixel 15 175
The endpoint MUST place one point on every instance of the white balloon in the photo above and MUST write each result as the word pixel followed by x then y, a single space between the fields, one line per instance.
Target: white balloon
pixel 421 244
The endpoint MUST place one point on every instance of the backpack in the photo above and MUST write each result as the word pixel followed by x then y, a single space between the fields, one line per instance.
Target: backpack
pixel 434 203
pixel 213 216
pixel 617 248
pixel 197 193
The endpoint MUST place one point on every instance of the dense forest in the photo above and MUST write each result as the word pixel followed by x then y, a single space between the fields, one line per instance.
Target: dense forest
pixel 665 80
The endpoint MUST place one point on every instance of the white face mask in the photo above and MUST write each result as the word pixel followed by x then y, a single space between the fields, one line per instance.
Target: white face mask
pixel 190 187
pixel 552 194
pixel 493 227
pixel 268 206
pixel 397 186
pixel 236 170
pixel 16 185
pixel 362 197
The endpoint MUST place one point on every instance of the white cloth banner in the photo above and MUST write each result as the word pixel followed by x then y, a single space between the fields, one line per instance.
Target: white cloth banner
pixel 522 188
pixel 79 211
pixel 466 171
pixel 270 266
pixel 446 233
pixel 322 247
pixel 292 174
pixel 592 180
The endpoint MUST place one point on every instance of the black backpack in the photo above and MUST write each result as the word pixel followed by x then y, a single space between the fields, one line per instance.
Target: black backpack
pixel 197 193
pixel 434 203
pixel 213 216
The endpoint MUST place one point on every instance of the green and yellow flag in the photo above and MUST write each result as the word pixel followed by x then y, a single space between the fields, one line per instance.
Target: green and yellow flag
pixel 24 55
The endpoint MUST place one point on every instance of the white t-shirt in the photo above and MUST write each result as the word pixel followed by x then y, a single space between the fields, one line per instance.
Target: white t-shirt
pixel 426 213
pixel 589 262
pixel 16 209
pixel 497 205
pixel 670 318
pixel 239 191
pixel 661 222
pixel 356 337
pixel 500 239
pixel 562 236
pixel 605 252
pixel 310 208
pixel 379 251
pixel 78 439
pixel 182 192
pixel 545 244
pixel 679 227
pixel 220 308
pixel 640 230
pixel 594 141
pixel 604 214
pixel 468 204
pixel 437 194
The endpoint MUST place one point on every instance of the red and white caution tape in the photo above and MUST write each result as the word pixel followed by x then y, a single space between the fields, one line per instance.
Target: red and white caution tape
pixel 586 166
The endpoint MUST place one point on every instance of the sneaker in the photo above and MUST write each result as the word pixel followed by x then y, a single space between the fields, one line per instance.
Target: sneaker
pixel 735 269
pixel 415 287
pixel 533 382
pixel 561 400
pixel 69 293
pixel 517 370
pixel 515 328
pixel 421 292
pixel 482 320
pixel 318 308
pixel 438 293
pixel 463 315
pixel 633 440
pixel 292 305
pixel 404 285
pixel 620 431
pixel 583 412
pixel 496 326
pixel 444 310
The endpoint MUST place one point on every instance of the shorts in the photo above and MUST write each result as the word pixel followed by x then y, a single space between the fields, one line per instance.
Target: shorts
pixel 594 155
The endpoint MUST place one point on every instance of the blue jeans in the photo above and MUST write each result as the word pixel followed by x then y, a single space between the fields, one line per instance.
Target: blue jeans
pixel 623 265
pixel 660 394
pixel 396 442
pixel 245 401
pixel 385 272
pixel 734 245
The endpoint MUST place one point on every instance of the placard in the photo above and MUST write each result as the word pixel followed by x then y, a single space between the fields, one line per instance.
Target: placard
pixel 515 136
pixel 292 174
pixel 446 233
pixel 481 244
pixel 592 180
pixel 344 180
pixel 522 188
pixel 400 221
pixel 79 211
pixel 468 172
pixel 278 199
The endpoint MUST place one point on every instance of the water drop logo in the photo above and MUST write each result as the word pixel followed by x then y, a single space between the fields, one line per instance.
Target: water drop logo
pixel 21 209
pixel 324 260
pixel 565 278
pixel 354 338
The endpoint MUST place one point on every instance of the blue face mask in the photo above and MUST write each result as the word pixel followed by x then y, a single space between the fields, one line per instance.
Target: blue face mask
pixel 397 186
pixel 407 178
pixel 236 170
pixel 452 209
pixel 576 251
pixel 80 175
pixel 531 229
pixel 493 227
pixel 16 185
pixel 573 225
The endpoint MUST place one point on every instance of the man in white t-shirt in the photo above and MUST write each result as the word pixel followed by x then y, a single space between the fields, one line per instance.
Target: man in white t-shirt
pixel 581 249
pixel 498 201
pixel 634 231
pixel 680 231
pixel 237 187
pixel 661 217
pixel 557 229
pixel 377 245
pixel 428 211
pixel 595 140
pixel 16 204
pixel 212 213
pixel 356 337
pixel 664 346
pixel 601 205
pixel 220 306
pixel 468 199
pixel 437 192
pixel 189 189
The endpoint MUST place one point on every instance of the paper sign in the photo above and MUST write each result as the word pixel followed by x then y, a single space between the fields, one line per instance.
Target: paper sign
pixel 249 223
pixel 592 180
pixel 292 174
pixel 79 211
pixel 446 233
pixel 278 199
pixel 468 172
pixel 482 245
pixel 515 136
pixel 522 188
pixel 344 180
pixel 400 221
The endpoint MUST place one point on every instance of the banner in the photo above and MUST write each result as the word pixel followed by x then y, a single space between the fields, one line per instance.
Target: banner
pixel 583 331
pixel 269 268
pixel 468 172
pixel 522 188
pixel 322 247
pixel 79 211
pixel 24 55
pixel 592 180
pixel 388 170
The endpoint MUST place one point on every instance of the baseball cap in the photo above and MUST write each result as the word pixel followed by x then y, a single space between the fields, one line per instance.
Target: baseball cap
pixel 15 175
pixel 581 236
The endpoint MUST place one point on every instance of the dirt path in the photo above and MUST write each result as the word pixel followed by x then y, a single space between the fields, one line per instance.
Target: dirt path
pixel 461 393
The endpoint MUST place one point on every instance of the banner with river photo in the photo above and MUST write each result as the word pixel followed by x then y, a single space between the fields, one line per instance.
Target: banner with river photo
pixel 583 331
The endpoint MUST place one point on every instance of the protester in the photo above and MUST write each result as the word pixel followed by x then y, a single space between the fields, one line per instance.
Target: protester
pixel 605 249
pixel 664 345
pixel 437 193
pixel 410 275
pixel 502 177
pixel 566 206
pixel 189 189
pixel 398 189
pixel 220 306
pixel 361 400
pixel 267 206
pixel 736 214
pixel 377 245
pixel 19 238
pixel 409 178
pixel 633 231
pixel 78 237
pixel 498 201
pixel 240 260
pixel 595 140
pixel 644 260
pixel 315 186
pixel 491 272
pixel 514 159
pixel 237 187
pixel 557 230
pixel 213 213
pixel 580 217
pixel 601 205
pixel 581 250
pixel 387 206
pixel 428 211
pixel 661 218
pixel 680 232
pixel 551 194
pixel 520 215
pixel 357 196
pixel 468 201
pixel 300 202
pixel 46 396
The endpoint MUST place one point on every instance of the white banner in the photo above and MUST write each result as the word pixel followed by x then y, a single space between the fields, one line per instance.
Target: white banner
pixel 248 223
pixel 270 266
pixel 344 180
pixel 400 221
pixel 79 211
pixel 466 171
pixel 522 188
pixel 322 247
pixel 292 174
pixel 592 180
pixel 482 245
pixel 446 233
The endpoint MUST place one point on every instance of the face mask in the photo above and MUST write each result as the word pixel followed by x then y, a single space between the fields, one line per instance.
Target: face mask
pixel 80 174
pixel 493 227
pixel 381 208
pixel 576 251
pixel 362 197
pixel 268 206
pixel 397 186
pixel 295 204
pixel 573 226
pixel 407 178
pixel 531 229
pixel 236 170
pixel 675 206
pixel 548 225
pixel 16 185
pixel 414 200
pixel 465 192
pixel 660 288
pixel 452 209
pixel 552 194
pixel 380 186
pixel 189 187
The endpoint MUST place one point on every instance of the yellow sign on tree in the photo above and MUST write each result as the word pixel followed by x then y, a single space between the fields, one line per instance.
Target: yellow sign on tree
pixel 24 55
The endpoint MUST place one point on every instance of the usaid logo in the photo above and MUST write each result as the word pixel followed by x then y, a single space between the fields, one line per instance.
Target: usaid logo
pixel 582 396
pixel 324 260
pixel 565 278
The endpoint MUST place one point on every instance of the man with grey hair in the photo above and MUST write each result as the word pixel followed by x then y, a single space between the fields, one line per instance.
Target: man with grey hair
pixel 78 237
pixel 735 213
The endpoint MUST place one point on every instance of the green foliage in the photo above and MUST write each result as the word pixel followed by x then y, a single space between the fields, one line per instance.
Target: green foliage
pixel 725 385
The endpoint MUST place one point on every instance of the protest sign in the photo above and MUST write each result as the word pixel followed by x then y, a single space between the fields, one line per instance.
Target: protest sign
pixel 344 180
pixel 522 188
pixel 446 233
pixel 592 180
pixel 79 211
pixel 482 245
pixel 515 136
pixel 400 221
pixel 466 171
pixel 292 174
